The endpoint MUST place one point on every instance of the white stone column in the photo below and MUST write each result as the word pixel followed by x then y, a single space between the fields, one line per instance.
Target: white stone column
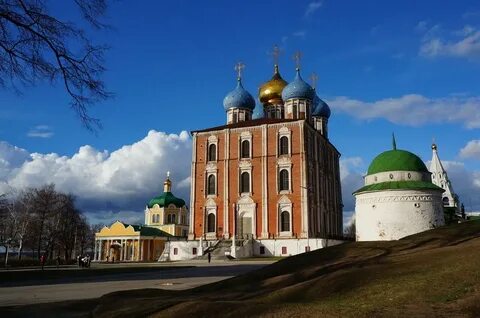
pixel 264 182
pixel 141 245
pixel 122 256
pixel 132 248
pixel 149 246
pixel 95 250
pixel 100 250
pixel 226 229
pixel 191 225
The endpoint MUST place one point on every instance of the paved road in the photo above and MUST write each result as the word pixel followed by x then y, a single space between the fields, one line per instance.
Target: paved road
pixel 181 276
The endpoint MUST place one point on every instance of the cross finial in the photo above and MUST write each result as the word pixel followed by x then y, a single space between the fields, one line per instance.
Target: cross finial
pixel 239 68
pixel 297 57
pixel 275 53
pixel 394 143
pixel 168 174
pixel 314 79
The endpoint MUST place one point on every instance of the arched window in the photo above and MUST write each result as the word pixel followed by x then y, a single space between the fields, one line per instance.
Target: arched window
pixel 173 218
pixel 283 145
pixel 285 221
pixel 283 180
pixel 245 182
pixel 211 184
pixel 153 218
pixel 245 151
pixel 169 219
pixel 212 152
pixel 211 223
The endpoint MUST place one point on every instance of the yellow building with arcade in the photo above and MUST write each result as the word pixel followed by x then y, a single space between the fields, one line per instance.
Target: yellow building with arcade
pixel 166 217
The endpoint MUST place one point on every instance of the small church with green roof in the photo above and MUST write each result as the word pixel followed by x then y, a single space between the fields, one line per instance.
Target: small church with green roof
pixel 398 198
pixel 167 212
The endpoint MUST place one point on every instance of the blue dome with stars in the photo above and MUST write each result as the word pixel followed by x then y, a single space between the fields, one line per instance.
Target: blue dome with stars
pixel 239 98
pixel 298 88
pixel 320 108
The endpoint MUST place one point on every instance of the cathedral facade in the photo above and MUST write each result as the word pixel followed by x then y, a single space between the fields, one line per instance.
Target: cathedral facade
pixel 276 176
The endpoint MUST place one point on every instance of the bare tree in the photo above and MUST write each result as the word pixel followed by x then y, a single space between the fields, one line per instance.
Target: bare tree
pixel 34 45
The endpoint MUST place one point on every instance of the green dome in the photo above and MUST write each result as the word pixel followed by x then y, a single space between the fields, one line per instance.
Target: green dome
pixel 165 199
pixel 396 160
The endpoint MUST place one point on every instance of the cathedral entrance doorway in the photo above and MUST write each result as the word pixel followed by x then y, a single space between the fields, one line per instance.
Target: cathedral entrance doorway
pixel 245 220
pixel 245 227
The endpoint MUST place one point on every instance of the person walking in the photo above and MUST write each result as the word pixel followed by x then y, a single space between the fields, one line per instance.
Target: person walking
pixel 209 257
pixel 42 261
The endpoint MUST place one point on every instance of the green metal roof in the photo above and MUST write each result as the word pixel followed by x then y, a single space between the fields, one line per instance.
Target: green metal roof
pixel 400 185
pixel 396 160
pixel 148 231
pixel 165 199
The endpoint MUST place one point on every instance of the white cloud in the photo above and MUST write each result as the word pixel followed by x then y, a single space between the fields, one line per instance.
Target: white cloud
pixel 463 43
pixel 124 179
pixel 471 150
pixel 351 176
pixel 313 7
pixel 414 109
pixel 40 131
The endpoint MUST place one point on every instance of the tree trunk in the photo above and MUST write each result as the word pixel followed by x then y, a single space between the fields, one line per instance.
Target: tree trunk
pixel 6 255
pixel 20 249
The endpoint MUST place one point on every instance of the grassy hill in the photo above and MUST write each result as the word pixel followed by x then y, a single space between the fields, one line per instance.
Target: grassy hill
pixel 432 274
pixel 435 273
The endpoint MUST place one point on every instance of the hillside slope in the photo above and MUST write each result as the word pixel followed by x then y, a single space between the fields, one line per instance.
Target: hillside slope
pixel 435 273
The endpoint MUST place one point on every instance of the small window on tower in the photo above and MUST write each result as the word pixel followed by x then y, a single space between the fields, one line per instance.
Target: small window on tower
pixel 283 145
pixel 212 152
pixel 283 180
pixel 284 250
pixel 245 149
pixel 245 182
pixel 211 184
pixel 262 250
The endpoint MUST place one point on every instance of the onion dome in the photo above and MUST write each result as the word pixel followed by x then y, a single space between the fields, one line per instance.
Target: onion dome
pixel 239 98
pixel 298 89
pixel 165 199
pixel 271 91
pixel 320 108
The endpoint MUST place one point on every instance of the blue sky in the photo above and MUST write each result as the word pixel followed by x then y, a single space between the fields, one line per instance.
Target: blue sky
pixel 409 67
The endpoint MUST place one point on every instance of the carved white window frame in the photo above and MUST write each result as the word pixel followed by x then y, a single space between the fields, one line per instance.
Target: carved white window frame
pixel 210 208
pixel 284 163
pixel 284 204
pixel 245 167
pixel 212 140
pixel 284 132
pixel 245 135
pixel 207 175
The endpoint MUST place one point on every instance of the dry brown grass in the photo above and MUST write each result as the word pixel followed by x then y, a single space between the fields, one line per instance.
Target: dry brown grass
pixel 432 274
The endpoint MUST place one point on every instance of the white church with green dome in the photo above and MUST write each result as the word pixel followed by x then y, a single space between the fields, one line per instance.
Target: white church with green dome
pixel 167 213
pixel 398 199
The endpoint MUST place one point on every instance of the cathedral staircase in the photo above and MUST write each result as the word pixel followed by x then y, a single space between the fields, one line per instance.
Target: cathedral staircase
pixel 221 250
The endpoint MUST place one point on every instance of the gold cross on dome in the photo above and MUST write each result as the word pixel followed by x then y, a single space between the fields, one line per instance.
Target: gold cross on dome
pixel 276 53
pixel 168 174
pixel 297 57
pixel 239 68
pixel 314 79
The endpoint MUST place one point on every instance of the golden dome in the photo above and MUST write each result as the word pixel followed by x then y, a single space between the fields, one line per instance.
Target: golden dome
pixel 271 91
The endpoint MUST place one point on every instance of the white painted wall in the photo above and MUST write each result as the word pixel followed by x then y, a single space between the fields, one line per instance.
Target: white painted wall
pixel 393 214
pixel 273 247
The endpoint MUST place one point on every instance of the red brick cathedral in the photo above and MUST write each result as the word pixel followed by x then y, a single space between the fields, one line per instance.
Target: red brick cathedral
pixel 271 171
